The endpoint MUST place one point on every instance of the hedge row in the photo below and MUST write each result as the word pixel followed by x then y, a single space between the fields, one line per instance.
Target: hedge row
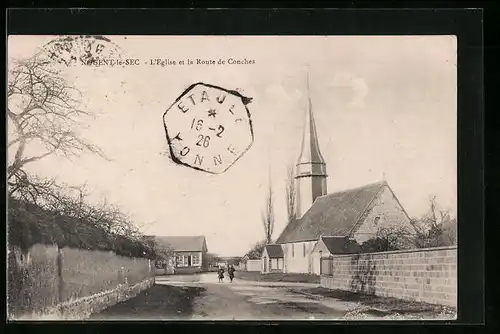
pixel 29 224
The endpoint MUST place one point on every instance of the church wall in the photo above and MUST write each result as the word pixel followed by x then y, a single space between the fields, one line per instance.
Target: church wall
pixel 389 212
pixel 296 262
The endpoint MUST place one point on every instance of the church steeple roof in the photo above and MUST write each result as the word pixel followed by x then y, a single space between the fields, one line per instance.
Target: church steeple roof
pixel 310 152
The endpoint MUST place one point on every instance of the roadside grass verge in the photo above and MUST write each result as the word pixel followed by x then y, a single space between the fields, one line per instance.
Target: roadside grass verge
pixel 384 307
pixel 277 277
pixel 160 302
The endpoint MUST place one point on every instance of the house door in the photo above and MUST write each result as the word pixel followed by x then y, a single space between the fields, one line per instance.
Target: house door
pixel 189 261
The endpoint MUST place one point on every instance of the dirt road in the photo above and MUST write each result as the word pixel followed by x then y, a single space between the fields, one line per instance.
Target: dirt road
pixel 201 297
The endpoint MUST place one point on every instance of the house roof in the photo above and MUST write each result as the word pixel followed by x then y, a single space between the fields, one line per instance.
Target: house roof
pixel 274 251
pixel 334 214
pixel 340 245
pixel 183 243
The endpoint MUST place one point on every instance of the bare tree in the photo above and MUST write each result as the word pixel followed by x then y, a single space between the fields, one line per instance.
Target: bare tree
pixel 268 216
pixel 290 194
pixel 44 108
pixel 436 228
pixel 72 201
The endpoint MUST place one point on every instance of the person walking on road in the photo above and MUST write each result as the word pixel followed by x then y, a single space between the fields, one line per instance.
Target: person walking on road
pixel 221 274
pixel 231 271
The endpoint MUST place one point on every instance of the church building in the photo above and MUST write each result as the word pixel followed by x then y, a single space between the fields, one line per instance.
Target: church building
pixel 328 224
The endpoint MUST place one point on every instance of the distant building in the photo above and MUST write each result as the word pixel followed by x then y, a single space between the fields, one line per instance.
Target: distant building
pixel 248 264
pixel 189 252
pixel 272 258
pixel 349 215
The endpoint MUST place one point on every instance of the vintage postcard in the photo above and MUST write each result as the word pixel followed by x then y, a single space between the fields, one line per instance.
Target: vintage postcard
pixel 232 177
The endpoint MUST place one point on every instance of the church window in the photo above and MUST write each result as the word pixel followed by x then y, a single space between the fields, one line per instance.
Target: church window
pixel 376 220
pixel 304 249
pixel 293 250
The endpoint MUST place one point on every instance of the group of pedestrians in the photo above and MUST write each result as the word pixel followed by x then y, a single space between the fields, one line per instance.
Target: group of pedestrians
pixel 230 272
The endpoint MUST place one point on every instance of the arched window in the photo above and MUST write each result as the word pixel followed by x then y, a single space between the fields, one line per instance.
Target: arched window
pixel 376 220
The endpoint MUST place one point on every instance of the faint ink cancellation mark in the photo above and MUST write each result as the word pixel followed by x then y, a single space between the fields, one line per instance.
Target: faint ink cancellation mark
pixel 83 50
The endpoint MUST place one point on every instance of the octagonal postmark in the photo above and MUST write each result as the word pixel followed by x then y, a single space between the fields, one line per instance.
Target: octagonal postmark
pixel 208 128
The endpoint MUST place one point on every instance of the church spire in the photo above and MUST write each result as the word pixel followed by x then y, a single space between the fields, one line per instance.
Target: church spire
pixel 311 167
pixel 309 151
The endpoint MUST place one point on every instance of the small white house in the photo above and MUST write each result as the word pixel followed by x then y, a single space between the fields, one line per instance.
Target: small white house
pixel 189 252
pixel 272 259
pixel 330 245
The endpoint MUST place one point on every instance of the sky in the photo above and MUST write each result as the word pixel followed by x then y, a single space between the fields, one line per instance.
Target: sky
pixel 385 107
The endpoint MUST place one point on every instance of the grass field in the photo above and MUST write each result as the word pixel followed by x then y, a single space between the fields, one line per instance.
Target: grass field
pixel 277 277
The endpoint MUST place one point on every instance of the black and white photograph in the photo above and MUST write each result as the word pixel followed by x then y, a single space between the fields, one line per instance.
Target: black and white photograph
pixel 184 177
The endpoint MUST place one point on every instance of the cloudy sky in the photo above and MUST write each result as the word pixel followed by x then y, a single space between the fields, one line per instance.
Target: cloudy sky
pixel 383 106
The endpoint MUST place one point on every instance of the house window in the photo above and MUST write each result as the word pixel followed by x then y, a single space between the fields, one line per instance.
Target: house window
pixel 376 220
pixel 195 261
pixel 270 264
pixel 304 249
pixel 183 261
pixel 293 250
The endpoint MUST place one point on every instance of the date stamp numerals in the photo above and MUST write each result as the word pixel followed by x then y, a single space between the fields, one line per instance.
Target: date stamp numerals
pixel 219 130
pixel 203 141
pixel 197 124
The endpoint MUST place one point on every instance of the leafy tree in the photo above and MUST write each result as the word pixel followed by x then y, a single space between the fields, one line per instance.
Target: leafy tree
pixel 256 251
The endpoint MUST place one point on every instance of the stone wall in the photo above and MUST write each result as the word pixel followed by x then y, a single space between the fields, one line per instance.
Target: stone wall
pixel 426 275
pixel 82 308
pixel 47 277
pixel 253 265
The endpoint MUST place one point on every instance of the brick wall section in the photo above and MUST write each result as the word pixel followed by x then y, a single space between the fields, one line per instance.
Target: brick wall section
pixel 427 275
